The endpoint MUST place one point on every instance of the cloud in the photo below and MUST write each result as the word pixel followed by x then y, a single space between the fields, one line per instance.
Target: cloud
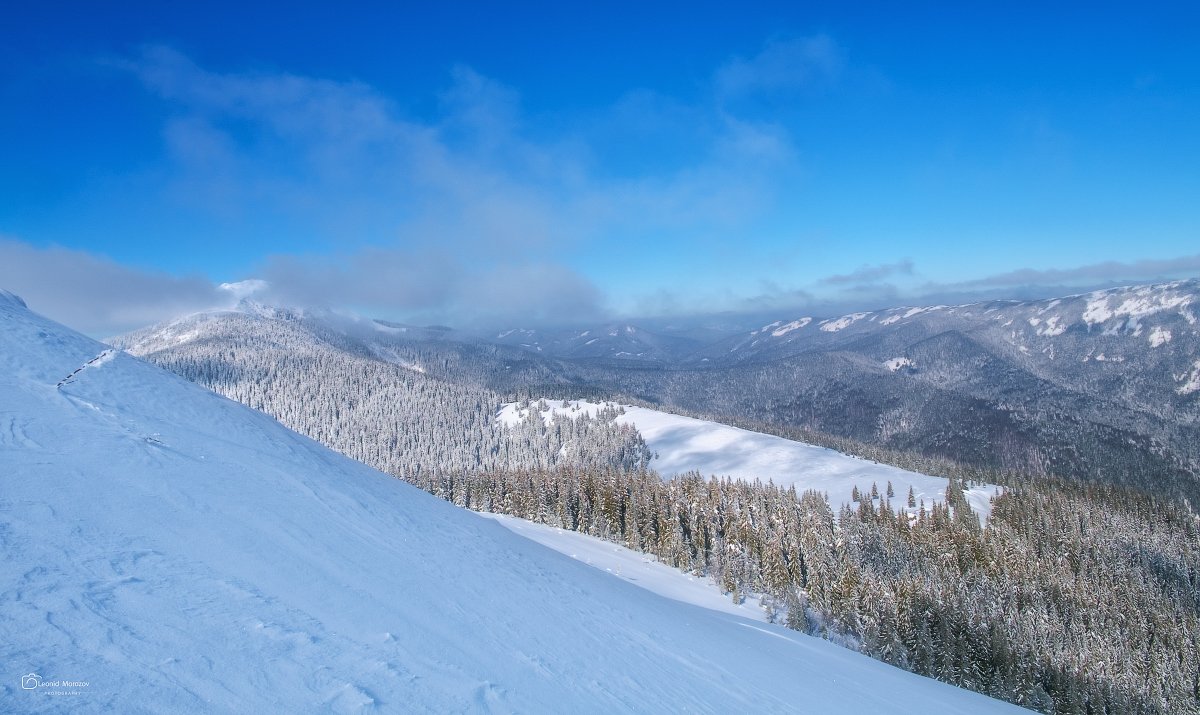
pixel 875 287
pixel 1105 272
pixel 423 215
pixel 96 295
pixel 870 274
pixel 782 65
pixel 435 287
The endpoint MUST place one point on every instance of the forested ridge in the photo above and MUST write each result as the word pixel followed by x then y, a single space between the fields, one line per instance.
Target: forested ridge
pixel 394 418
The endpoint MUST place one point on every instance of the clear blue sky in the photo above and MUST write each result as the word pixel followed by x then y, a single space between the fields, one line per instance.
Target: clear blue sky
pixel 460 162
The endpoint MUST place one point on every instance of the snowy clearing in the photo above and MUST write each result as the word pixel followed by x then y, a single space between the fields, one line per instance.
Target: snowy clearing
pixel 685 444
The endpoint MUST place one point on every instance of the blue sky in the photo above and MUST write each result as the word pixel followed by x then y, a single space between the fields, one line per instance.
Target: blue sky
pixel 487 164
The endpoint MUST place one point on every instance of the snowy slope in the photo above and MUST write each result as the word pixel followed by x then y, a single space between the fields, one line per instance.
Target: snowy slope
pixel 168 550
pixel 642 570
pixel 684 444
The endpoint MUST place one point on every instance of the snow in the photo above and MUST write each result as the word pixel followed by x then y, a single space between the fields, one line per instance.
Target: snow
pixel 639 569
pixel 685 444
pixel 794 325
pixel 1134 303
pixel 178 552
pixel 917 311
pixel 896 363
pixel 832 326
pixel 1159 336
pixel 1053 326
pixel 908 313
pixel 1191 382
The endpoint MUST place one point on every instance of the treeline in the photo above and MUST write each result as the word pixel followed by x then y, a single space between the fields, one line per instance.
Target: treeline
pixel 1074 599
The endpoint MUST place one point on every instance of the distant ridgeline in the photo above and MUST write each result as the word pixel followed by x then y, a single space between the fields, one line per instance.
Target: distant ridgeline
pixel 1075 598
pixel 1099 387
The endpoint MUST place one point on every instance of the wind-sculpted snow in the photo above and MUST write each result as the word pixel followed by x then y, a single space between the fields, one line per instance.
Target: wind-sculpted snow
pixel 168 550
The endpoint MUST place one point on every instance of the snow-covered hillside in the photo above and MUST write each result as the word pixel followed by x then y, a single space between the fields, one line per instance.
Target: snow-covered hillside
pixel 642 570
pixel 167 550
pixel 685 444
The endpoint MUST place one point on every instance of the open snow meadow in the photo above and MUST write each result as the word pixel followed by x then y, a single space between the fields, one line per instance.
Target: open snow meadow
pixel 685 444
pixel 168 550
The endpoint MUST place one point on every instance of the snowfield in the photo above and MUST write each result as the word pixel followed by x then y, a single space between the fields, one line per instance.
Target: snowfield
pixel 639 569
pixel 684 444
pixel 168 550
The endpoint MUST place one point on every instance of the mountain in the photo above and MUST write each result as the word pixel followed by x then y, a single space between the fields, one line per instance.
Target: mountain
pixel 1145 324
pixel 1103 386
pixel 371 391
pixel 167 549
pixel 1100 385
pixel 611 342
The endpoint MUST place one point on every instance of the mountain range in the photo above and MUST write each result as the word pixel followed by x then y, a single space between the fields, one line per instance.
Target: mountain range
pixel 1098 386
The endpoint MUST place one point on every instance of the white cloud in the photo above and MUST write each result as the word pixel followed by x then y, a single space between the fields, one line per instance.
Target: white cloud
pixel 782 65
pixel 420 215
pixel 97 295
